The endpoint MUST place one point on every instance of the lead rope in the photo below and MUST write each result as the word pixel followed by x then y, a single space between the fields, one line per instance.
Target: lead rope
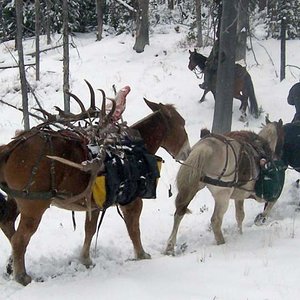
pixel 198 72
pixel 100 222
pixel 98 227
pixel 119 212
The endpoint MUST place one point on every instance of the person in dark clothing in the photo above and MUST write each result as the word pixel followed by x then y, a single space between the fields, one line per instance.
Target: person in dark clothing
pixel 294 99
pixel 211 66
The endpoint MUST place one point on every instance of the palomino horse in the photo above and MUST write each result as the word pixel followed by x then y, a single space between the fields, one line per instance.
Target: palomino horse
pixel 243 85
pixel 294 99
pixel 42 181
pixel 228 165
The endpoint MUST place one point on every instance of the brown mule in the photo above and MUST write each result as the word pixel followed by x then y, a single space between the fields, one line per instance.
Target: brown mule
pixel 41 181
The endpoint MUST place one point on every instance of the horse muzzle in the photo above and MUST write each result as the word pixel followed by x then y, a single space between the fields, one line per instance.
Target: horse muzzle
pixel 184 151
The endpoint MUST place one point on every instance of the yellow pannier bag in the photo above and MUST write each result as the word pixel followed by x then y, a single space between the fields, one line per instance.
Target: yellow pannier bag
pixel 99 188
pixel 99 191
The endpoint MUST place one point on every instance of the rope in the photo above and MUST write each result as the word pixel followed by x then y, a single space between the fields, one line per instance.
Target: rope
pixel 119 212
pixel 98 228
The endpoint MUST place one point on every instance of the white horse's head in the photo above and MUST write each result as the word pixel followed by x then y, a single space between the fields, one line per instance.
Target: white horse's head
pixel 273 133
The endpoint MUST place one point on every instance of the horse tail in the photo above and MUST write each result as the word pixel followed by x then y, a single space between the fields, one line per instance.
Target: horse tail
pixel 252 99
pixel 191 172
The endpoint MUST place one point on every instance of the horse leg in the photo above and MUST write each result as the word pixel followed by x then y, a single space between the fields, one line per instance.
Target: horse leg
pixel 262 217
pixel 203 96
pixel 7 224
pixel 90 229
pixel 131 213
pixel 182 201
pixel 29 222
pixel 7 221
pixel 243 107
pixel 221 205
pixel 239 214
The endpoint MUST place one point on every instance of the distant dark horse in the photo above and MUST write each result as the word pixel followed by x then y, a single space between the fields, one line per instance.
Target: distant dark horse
pixel 243 85
pixel 294 99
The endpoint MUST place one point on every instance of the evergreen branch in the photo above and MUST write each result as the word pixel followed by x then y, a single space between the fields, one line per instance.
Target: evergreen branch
pixel 130 8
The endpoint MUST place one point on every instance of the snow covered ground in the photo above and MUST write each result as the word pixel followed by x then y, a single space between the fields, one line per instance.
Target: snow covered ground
pixel 261 264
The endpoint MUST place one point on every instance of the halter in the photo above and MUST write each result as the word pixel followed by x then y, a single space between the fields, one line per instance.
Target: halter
pixel 198 71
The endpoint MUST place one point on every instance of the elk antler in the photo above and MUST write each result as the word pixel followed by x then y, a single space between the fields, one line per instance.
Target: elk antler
pixel 92 106
pixel 93 167
pixel 67 118
pixel 106 118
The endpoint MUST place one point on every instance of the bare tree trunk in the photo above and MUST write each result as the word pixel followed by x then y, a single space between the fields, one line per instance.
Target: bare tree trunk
pixel 262 4
pixel 171 4
pixel 19 19
pixel 66 58
pixel 99 10
pixel 142 26
pixel 48 21
pixel 198 22
pixel 2 24
pixel 225 78
pixel 283 49
pixel 37 39
pixel 242 29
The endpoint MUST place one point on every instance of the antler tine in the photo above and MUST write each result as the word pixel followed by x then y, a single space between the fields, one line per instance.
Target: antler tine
pixel 93 106
pixel 114 89
pixel 112 111
pixel 49 116
pixel 103 107
pixel 78 101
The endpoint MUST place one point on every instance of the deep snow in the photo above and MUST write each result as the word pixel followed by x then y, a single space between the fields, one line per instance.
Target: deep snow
pixel 263 263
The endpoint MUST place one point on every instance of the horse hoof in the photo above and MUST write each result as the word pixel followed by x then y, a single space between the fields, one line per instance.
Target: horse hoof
pixel 144 255
pixel 243 118
pixel 23 279
pixel 260 220
pixel 221 242
pixel 169 251
pixel 87 262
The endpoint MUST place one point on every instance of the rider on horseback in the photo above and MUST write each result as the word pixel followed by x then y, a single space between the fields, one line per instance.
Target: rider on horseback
pixel 211 66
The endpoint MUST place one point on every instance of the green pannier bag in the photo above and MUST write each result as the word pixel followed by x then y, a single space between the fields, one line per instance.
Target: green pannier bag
pixel 271 180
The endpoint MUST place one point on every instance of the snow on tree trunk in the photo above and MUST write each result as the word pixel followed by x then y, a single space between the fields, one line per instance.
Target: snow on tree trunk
pixel 142 26
pixel 225 76
pixel 19 19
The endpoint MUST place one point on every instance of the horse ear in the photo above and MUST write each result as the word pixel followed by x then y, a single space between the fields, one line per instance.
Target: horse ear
pixel 267 120
pixel 280 122
pixel 190 52
pixel 154 106
pixel 195 50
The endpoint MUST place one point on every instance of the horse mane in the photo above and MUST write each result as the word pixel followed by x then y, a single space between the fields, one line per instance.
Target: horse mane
pixel 204 132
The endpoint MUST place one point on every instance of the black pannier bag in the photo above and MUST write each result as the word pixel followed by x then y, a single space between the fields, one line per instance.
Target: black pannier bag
pixel 271 180
pixel 130 172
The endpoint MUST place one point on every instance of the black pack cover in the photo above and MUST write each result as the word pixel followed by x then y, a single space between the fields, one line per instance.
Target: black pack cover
pixel 130 172
pixel 271 180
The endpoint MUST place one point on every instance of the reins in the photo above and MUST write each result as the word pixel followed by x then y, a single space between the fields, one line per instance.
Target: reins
pixel 197 71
